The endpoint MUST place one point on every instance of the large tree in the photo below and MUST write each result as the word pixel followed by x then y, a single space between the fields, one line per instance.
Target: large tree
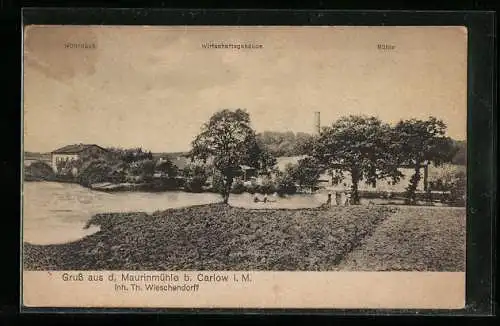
pixel 307 172
pixel 419 142
pixel 229 140
pixel 359 145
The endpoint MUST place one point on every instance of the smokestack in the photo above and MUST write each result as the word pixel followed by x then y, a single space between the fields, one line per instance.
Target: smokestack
pixel 317 123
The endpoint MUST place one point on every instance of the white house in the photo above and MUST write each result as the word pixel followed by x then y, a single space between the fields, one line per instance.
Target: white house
pixel 325 179
pixel 73 153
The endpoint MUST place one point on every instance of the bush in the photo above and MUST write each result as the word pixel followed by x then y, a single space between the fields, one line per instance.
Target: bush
pixel 238 187
pixel 195 184
pixel 95 172
pixel 217 183
pixel 453 180
pixel 458 189
pixel 267 187
pixel 196 178
pixel 163 184
pixel 252 189
pixel 285 187
pixel 39 171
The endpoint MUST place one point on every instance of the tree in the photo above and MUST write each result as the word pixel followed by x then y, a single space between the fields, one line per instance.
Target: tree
pixel 167 167
pixel 460 157
pixel 419 142
pixel 260 158
pixel 307 172
pixel 196 176
pixel 230 141
pixel 303 143
pixel 94 172
pixel 129 155
pixel 359 145
pixel 39 170
pixel 285 181
pixel 143 168
pixel 284 143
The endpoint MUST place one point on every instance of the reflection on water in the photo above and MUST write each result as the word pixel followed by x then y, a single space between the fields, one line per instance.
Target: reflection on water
pixel 57 212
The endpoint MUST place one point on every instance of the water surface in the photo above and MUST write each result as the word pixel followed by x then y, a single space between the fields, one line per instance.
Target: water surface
pixel 57 212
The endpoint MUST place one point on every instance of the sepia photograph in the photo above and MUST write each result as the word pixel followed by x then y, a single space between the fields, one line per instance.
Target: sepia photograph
pixel 154 150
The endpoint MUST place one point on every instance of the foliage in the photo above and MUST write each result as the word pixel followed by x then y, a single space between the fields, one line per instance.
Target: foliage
pixel 265 160
pixel 129 155
pixel 143 168
pixel 306 173
pixel 267 187
pixel 252 189
pixel 196 177
pixel 230 141
pixel 167 167
pixel 285 143
pixel 94 172
pixel 213 237
pixel 417 142
pixel 285 181
pixel 217 182
pixel 360 145
pixel 452 179
pixel 460 157
pixel 39 170
pixel 238 187
pixel 458 189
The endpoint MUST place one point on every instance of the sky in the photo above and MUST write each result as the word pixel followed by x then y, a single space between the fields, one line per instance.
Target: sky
pixel 154 87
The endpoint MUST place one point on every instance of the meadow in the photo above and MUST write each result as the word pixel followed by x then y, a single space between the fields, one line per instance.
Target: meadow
pixel 221 237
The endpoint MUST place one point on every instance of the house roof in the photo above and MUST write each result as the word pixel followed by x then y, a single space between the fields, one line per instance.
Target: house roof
pixel 75 148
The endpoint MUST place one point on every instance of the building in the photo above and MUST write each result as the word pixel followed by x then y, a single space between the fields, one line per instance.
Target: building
pixel 72 153
pixel 326 180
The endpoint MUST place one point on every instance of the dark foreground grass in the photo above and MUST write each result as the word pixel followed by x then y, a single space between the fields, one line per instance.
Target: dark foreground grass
pixel 214 237
pixel 414 239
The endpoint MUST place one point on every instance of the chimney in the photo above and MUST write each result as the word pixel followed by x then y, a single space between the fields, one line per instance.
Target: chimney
pixel 317 123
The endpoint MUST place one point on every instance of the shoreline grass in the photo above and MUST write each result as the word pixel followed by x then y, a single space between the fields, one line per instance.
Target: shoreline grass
pixel 222 237
pixel 414 239
pixel 214 237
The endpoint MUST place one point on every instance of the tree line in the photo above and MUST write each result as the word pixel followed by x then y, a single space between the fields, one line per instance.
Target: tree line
pixel 289 143
pixel 365 147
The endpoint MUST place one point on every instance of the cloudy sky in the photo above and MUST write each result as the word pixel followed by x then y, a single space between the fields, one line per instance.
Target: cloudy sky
pixel 155 86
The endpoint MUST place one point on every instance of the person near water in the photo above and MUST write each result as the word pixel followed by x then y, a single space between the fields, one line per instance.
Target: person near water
pixel 328 203
pixel 347 199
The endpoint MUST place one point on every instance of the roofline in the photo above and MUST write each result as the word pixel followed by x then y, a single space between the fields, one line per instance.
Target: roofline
pixel 81 150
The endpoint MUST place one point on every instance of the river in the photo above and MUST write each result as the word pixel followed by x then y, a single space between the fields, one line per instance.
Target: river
pixel 57 212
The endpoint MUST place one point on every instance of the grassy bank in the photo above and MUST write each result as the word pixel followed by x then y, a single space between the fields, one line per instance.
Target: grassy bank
pixel 415 238
pixel 214 237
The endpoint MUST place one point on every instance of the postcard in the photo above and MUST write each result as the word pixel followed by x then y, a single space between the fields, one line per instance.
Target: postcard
pixel 244 167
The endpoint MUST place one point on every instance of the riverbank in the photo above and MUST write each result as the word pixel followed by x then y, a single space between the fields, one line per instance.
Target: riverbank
pixel 213 237
pixel 366 197
pixel 221 237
